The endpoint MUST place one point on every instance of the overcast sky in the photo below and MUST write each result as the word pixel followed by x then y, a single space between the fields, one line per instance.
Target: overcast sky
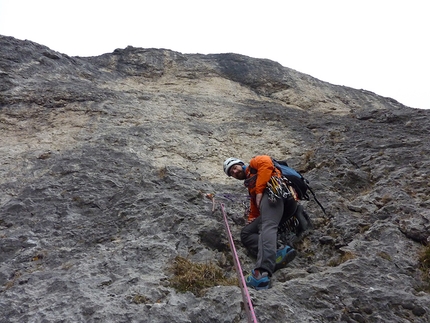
pixel 377 45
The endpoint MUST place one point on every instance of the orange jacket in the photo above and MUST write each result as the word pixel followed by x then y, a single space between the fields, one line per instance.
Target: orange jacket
pixel 258 173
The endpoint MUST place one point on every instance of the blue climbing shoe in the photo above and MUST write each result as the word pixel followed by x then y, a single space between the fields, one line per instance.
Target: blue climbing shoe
pixel 258 280
pixel 284 257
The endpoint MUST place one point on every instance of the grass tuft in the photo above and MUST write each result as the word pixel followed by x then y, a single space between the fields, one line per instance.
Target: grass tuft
pixel 198 277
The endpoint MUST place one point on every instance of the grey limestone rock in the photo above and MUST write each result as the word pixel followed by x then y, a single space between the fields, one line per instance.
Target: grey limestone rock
pixel 105 163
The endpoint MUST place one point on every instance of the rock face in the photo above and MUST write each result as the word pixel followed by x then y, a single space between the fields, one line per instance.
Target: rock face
pixel 105 162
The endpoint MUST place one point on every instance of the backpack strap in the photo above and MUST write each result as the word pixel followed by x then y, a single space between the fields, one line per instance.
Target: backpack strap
pixel 305 182
pixel 252 170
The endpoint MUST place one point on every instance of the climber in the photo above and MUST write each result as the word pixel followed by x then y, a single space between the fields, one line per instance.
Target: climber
pixel 259 236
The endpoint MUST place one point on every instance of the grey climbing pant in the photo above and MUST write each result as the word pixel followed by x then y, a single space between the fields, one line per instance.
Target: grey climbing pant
pixel 260 236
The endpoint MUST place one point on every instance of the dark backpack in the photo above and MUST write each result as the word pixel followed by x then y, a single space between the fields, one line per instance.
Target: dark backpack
pixel 299 183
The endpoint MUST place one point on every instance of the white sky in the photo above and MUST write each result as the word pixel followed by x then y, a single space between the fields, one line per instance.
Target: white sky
pixel 377 45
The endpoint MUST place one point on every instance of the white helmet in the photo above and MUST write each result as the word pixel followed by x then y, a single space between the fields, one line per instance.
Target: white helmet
pixel 229 162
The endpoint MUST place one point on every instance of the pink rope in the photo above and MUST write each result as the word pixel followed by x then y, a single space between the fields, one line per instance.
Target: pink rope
pixel 249 309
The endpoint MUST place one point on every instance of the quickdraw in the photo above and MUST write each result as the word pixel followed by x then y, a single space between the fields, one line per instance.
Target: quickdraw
pixel 280 188
pixel 289 225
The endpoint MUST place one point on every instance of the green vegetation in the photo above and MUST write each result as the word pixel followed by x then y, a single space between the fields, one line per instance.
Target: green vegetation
pixel 197 277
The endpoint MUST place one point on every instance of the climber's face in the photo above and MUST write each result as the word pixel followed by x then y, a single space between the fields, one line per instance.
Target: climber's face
pixel 237 171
